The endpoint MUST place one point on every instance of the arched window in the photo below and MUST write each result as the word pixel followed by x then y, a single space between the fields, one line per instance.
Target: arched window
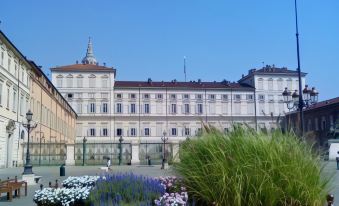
pixel 59 80
pixel 260 83
pixel 91 80
pixel 69 81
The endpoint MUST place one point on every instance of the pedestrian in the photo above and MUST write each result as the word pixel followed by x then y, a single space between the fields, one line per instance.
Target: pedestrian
pixel 337 158
pixel 109 163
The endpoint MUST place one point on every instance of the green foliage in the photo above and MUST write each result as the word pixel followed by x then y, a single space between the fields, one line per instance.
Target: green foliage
pixel 244 167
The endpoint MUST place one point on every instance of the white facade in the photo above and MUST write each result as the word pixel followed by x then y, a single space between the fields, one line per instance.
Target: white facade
pixel 143 111
pixel 14 103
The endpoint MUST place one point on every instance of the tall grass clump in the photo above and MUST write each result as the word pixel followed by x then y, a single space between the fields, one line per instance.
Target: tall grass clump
pixel 245 167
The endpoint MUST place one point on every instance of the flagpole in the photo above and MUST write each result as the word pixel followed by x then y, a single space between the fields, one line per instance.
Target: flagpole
pixel 185 67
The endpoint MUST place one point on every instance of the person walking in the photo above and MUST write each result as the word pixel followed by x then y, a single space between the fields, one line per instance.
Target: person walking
pixel 109 163
pixel 337 159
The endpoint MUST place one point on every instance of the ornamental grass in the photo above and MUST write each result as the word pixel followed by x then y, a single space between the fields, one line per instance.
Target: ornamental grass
pixel 245 167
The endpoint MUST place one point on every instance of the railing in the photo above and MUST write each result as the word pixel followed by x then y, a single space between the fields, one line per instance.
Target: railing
pixel 46 153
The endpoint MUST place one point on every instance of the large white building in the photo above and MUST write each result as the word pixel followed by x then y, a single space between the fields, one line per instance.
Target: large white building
pixel 144 110
pixel 14 101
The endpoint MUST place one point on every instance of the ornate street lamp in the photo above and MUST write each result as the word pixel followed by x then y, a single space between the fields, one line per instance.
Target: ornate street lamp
pixel 164 139
pixel 120 149
pixel 28 166
pixel 84 140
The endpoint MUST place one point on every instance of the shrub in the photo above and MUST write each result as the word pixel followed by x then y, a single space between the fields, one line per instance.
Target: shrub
pixel 244 167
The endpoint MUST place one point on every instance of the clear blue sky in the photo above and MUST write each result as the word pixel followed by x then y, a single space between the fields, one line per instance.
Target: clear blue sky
pixel 141 39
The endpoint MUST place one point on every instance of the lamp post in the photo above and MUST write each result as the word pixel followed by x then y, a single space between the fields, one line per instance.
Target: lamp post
pixel 40 149
pixel 28 167
pixel 120 149
pixel 292 100
pixel 164 139
pixel 84 140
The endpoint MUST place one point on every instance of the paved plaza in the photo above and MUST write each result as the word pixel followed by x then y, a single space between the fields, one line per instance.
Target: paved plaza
pixel 52 173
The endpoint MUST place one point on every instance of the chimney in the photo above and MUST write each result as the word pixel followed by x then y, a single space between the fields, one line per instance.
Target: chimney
pixel 77 62
pixel 104 64
pixel 149 80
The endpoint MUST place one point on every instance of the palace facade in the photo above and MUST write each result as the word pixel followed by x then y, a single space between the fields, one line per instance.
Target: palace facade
pixel 142 111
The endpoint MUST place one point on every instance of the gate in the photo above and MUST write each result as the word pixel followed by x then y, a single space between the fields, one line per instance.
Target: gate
pixel 155 152
pixel 98 153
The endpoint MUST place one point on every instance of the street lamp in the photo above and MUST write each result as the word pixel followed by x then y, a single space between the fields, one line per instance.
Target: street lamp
pixel 84 140
pixel 28 167
pixel 164 139
pixel 120 149
pixel 42 138
pixel 292 100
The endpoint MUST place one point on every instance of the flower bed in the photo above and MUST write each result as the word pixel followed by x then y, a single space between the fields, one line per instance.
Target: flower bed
pixel 115 189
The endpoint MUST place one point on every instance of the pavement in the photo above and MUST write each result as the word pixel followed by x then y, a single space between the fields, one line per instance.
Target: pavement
pixel 51 173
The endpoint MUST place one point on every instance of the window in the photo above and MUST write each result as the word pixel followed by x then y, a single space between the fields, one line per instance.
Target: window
pixel 119 96
pixel 261 97
pixel 260 84
pixel 159 96
pixel 119 132
pixel 104 82
pixel 91 95
pixel 79 81
pixel 104 95
pixel 8 95
pixel 187 131
pixel 225 97
pixel 132 96
pixel 22 75
pixel 9 63
pixel 104 108
pixel 92 108
pixel 147 109
pixel 174 131
pixel 79 107
pixel 14 101
pixel 200 109
pixel 69 81
pixel 15 69
pixel 119 108
pixel 237 97
pixel 146 96
pixel 147 132
pixel 1 83
pixel 186 96
pixel 70 95
pixel 187 108
pixel 59 81
pixel 270 84
pixel 212 96
pixel 198 97
pixel 2 57
pixel 133 108
pixel 173 96
pixel 133 132
pixel 91 80
pixel 280 84
pixel 249 97
pixel 104 132
pixel 174 109
pixel 92 132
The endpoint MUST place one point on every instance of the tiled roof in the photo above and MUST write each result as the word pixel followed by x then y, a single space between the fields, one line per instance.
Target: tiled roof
pixel 83 67
pixel 322 104
pixel 182 85
pixel 272 70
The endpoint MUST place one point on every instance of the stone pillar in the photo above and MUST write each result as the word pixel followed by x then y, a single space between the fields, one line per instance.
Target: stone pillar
pixel 70 154
pixel 135 153
pixel 176 151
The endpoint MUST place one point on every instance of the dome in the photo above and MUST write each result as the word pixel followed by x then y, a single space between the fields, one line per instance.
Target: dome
pixel 89 58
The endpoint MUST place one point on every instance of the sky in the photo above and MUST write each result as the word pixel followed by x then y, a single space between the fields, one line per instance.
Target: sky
pixel 149 39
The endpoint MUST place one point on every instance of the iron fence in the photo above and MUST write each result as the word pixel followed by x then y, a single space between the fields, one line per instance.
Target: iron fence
pixel 46 153
pixel 155 152
pixel 98 153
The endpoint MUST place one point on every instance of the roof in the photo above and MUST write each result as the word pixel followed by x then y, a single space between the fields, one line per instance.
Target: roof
pixel 83 67
pixel 182 85
pixel 322 104
pixel 268 70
